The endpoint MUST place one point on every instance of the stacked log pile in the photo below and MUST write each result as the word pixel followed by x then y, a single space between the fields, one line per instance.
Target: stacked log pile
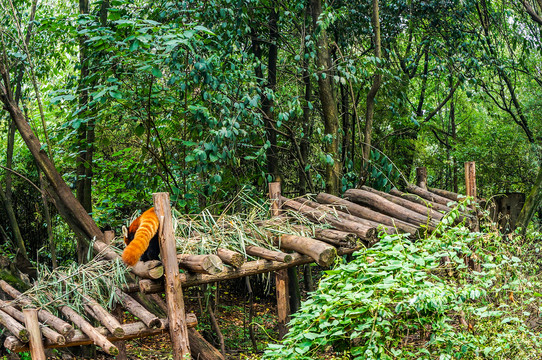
pixel 357 218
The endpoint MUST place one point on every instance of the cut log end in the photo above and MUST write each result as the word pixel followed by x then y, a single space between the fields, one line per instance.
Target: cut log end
pixel 118 332
pixel 327 257
pixel 112 350
pixel 24 335
pixel 68 331
pixel 155 324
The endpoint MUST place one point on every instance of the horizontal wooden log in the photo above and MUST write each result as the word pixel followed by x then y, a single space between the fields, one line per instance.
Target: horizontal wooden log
pixel 366 213
pixel 406 203
pixel 204 264
pixel 152 321
pixel 447 194
pixel 428 195
pixel 442 209
pixel 131 331
pixel 146 270
pixel 387 207
pixel 333 211
pixel 230 257
pixel 268 254
pixel 61 326
pixel 321 252
pixel 247 269
pixel 366 233
pixel 18 315
pixel 337 238
pixel 14 327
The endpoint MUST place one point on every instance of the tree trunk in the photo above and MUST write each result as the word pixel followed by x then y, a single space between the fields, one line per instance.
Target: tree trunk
pixel 531 203
pixel 329 104
pixel 268 103
pixel 369 115
pixel 71 210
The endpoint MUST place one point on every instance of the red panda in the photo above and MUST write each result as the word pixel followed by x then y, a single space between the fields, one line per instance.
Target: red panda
pixel 141 239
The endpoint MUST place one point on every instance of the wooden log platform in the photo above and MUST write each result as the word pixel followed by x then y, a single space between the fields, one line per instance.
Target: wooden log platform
pixel 366 213
pixel 131 331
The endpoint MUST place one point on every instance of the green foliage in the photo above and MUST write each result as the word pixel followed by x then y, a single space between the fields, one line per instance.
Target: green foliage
pixel 400 300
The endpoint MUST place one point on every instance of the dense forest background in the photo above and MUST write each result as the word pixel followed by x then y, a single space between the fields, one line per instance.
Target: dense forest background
pixel 205 98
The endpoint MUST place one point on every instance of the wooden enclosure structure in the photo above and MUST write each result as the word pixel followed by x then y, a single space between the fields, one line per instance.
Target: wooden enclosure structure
pixel 354 221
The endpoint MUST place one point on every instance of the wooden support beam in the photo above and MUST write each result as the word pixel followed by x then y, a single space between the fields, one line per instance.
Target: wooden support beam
pixel 43 315
pixel 32 325
pixel 249 268
pixel 174 293
pixel 470 178
pixel 131 331
pixel 281 276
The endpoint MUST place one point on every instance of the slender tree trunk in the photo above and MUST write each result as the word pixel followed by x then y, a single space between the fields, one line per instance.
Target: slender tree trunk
pixel 268 104
pixel 329 104
pixel 305 179
pixel 377 80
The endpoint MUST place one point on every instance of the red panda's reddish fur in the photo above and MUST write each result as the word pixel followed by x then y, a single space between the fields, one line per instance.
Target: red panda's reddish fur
pixel 142 229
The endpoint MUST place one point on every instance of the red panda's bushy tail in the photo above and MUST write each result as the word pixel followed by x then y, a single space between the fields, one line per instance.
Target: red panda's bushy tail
pixel 144 227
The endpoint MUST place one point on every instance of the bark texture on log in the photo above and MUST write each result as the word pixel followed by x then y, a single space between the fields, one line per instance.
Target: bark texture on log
pixel 268 254
pixel 200 348
pixel 174 292
pixel 98 339
pixel 421 201
pixel 43 315
pixel 366 233
pixel 131 331
pixel 387 207
pixel 321 252
pixel 428 195
pixel 18 315
pixel 205 264
pixel 14 327
pixel 152 321
pixel 395 197
pixel 447 194
pixel 364 212
pixel 249 268
pixel 230 257
pixel 32 325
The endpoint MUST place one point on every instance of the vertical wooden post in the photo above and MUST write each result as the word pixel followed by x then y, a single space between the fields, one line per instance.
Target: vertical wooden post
pixel 174 293
pixel 470 178
pixel 32 325
pixel 281 276
pixel 421 177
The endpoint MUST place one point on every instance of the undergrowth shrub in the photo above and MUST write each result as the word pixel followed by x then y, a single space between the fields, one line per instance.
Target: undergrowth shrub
pixel 420 300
